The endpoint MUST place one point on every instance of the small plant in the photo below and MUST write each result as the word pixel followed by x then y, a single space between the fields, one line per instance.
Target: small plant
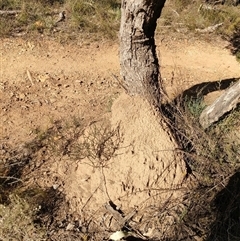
pixel 98 145
pixel 195 105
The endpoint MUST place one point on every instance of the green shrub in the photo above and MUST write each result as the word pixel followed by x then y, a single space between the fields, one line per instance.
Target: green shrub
pixel 195 106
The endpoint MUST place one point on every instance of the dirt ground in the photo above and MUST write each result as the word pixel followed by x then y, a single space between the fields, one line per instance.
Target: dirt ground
pixel 43 81
pixel 79 78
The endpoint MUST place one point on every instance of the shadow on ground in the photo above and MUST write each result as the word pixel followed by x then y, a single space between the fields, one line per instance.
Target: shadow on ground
pixel 227 205
pixel 205 88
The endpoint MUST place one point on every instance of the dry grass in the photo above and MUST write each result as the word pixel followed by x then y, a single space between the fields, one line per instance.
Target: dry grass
pixel 93 17
pixel 17 221
pixel 195 18
pixel 100 19
pixel 200 20
pixel 212 157
pixel 188 16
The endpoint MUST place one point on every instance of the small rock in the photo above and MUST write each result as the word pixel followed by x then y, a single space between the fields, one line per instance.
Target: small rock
pixel 55 186
pixel 70 227
pixel 83 229
pixel 21 96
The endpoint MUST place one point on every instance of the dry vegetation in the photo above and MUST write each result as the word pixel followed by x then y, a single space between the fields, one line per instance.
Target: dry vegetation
pixel 211 210
pixel 200 18
pixel 213 158
pixel 86 17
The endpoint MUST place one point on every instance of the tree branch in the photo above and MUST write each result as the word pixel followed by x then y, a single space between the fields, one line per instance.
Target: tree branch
pixel 9 12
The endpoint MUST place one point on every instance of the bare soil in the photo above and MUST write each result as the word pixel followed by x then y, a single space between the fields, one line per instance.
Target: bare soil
pixel 79 78
pixel 43 82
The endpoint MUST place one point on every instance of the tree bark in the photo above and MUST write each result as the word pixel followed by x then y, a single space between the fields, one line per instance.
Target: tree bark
pixel 138 58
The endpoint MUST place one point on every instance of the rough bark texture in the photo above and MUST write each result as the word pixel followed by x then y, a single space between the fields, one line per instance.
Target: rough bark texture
pixel 222 105
pixel 138 58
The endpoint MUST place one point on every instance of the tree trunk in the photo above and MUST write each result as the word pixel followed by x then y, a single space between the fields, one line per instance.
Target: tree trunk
pixel 138 58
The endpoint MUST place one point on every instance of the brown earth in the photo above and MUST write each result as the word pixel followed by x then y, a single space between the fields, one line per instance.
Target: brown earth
pixel 43 82
pixel 76 75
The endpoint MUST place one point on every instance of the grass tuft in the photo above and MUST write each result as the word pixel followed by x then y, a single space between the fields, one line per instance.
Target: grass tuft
pixel 88 16
pixel 17 221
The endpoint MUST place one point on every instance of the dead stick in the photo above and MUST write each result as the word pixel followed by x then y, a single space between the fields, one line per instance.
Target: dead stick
pixel 9 12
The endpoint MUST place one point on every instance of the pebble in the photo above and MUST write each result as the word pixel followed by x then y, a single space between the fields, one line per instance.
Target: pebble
pixel 70 227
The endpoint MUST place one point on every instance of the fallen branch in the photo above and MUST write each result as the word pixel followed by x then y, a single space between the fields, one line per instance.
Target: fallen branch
pixel 61 17
pixel 123 220
pixel 9 12
pixel 226 102
pixel 209 29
